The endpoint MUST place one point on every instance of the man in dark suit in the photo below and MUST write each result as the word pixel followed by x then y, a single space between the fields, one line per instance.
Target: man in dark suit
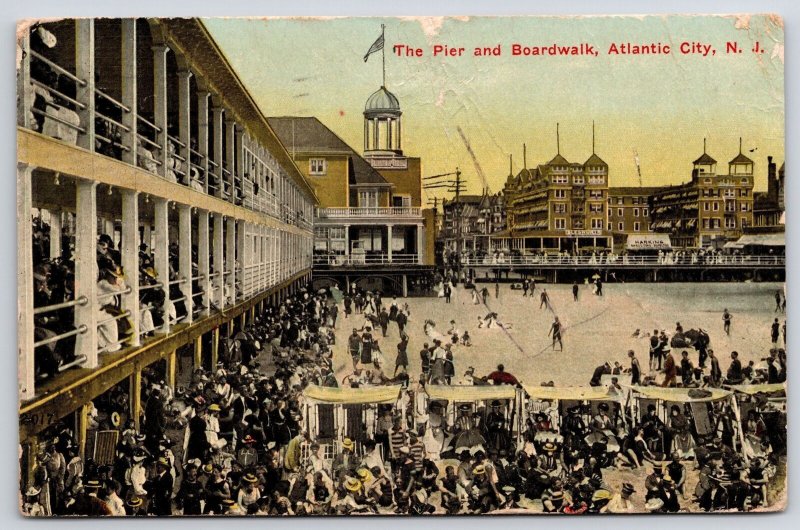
pixel 161 489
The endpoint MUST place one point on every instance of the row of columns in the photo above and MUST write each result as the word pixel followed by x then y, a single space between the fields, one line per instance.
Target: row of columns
pixel 223 242
pixel 242 150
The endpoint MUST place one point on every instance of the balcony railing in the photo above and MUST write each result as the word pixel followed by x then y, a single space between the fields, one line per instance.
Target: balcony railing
pixel 365 259
pixel 617 260
pixel 393 211
pixel 388 162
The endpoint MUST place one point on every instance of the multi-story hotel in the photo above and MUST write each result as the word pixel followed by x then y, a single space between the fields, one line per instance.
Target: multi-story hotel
pixel 709 210
pixel 559 206
pixel 150 145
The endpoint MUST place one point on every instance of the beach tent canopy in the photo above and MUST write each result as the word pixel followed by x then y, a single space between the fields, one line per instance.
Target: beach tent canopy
pixel 578 393
pixel 352 396
pixel 679 395
pixel 465 393
pixel 648 242
pixel 751 390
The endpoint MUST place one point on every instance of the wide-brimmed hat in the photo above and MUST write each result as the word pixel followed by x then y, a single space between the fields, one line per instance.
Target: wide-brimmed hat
pixel 628 489
pixel 251 478
pixel 654 504
pixel 549 447
pixel 496 403
pixel 364 474
pixel 480 469
pixel 347 443
pixel 352 484
pixel 33 491
pixel 214 408
pixel 134 502
pixel 208 468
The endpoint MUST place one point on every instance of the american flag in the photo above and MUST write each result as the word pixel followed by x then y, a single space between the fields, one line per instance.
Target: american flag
pixel 376 46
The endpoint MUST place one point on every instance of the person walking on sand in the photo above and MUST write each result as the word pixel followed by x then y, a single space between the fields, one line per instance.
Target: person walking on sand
pixel 777 301
pixel 726 321
pixel 544 299
pixel 575 291
pixel 497 289
pixel 555 331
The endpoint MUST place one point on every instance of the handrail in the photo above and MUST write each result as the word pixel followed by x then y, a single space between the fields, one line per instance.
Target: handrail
pixel 78 331
pixel 82 301
pixel 122 315
pixel 59 120
pixel 151 286
pixel 58 93
pixel 112 100
pixel 125 291
pixel 57 68
pixel 148 122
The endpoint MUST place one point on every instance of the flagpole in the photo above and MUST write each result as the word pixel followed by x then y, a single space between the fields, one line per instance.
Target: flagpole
pixel 383 52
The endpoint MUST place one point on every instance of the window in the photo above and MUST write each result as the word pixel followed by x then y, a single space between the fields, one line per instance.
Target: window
pixel 559 208
pixel 706 223
pixel 621 226
pixel 706 181
pixel 706 206
pixel 560 194
pixel 744 206
pixel 744 180
pixel 317 166
pixel 560 179
pixel 561 223
pixel 610 225
pixel 620 200
pixel 744 222
pixel 744 193
pixel 578 180
pixel 597 224
pixel 730 222
pixel 730 192
pixel 368 199
pixel 595 207
pixel 597 179
pixel 634 200
pixel 401 200
pixel 645 212
pixel 715 223
pixel 716 207
pixel 636 226
pixel 596 194
pixel 619 212
pixel 636 212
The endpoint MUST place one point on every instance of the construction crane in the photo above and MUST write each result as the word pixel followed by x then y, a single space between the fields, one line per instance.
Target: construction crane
pixel 478 168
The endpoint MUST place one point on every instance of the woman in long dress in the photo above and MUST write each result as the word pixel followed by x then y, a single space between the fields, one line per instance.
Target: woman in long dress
pixel 434 436
pixel 682 441
pixel 467 435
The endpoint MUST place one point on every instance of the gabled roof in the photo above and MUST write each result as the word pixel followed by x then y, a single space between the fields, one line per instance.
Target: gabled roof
pixel 741 159
pixel 308 134
pixel 595 160
pixel 558 160
pixel 704 159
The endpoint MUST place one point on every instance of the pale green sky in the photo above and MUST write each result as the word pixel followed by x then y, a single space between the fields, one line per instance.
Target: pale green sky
pixel 660 106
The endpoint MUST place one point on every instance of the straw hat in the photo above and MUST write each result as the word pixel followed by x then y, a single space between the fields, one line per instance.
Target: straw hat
pixel 549 447
pixel 654 504
pixel 214 408
pixel 251 478
pixel 364 474
pixel 480 469
pixel 347 443
pixel 134 502
pixel 352 484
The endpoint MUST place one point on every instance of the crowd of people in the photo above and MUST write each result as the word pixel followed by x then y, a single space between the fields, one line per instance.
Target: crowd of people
pixel 236 439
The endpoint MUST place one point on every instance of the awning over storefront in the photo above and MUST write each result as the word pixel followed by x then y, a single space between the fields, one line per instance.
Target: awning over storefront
pixel 733 244
pixel 470 393
pixel 648 242
pixel 352 396
pixel 763 240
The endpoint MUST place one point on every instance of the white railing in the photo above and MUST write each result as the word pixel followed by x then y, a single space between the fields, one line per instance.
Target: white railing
pixel 388 162
pixel 377 211
pixel 624 260
pixel 365 259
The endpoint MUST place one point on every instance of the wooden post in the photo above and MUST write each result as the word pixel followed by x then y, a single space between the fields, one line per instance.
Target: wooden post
pixel 185 258
pixel 203 265
pixel 172 358
pixel 130 260
pixel 219 267
pixel 83 428
pixel 25 359
pixel 84 70
pixel 129 97
pixel 202 134
pixel 161 253
pixel 214 348
pixel 184 118
pixel 86 270
pixel 198 351
pixel 135 381
pixel 160 104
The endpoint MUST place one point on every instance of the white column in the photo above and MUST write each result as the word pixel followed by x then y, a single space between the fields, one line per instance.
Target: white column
pixel 84 70
pixel 55 233
pixel 219 267
pixel 420 244
pixel 160 103
pixel 147 235
pixel 203 262
pixel 202 135
pixel 161 252
pixel 389 242
pixel 217 121
pixel 129 98
pixel 25 93
pixel 86 269
pixel 25 359
pixel 346 240
pixel 238 162
pixel 230 258
pixel 241 256
pixel 230 149
pixel 184 126
pixel 129 249
pixel 185 257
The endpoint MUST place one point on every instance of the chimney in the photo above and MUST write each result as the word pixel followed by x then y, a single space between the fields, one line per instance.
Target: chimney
pixel 772 180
